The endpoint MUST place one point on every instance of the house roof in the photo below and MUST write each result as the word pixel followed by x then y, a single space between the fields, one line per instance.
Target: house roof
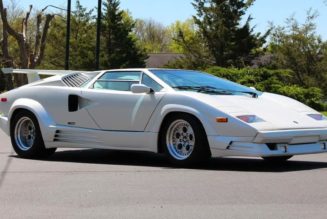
pixel 159 60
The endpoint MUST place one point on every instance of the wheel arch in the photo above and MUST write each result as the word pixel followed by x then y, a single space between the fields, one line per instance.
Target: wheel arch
pixel 160 148
pixel 43 118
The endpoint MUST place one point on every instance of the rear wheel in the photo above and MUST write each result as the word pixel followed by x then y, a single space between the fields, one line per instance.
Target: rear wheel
pixel 184 140
pixel 26 136
pixel 278 159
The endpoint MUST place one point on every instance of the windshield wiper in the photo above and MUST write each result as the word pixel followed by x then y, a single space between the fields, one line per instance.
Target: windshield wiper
pixel 185 87
pixel 214 90
pixel 210 88
pixel 252 93
pixel 204 89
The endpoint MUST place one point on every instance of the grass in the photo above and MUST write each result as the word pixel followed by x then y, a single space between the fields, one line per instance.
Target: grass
pixel 325 113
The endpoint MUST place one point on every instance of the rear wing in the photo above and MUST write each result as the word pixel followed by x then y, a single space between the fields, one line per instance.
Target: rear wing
pixel 34 74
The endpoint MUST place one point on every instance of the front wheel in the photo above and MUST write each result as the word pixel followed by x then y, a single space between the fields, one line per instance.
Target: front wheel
pixel 184 140
pixel 26 136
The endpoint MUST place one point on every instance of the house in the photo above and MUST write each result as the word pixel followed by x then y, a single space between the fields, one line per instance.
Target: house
pixel 160 60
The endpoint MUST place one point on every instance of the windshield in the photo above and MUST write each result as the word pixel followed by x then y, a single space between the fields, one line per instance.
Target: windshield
pixel 201 82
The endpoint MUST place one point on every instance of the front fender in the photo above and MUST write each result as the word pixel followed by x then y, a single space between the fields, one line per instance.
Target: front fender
pixel 158 117
pixel 44 119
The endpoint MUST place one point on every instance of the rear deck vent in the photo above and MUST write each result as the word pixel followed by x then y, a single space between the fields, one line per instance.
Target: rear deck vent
pixel 75 79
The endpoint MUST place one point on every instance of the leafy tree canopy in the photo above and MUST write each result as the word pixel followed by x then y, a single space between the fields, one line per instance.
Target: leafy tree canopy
pixel 228 41
pixel 298 47
pixel 121 49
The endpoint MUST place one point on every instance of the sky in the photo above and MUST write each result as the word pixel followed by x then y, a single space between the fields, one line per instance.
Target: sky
pixel 168 11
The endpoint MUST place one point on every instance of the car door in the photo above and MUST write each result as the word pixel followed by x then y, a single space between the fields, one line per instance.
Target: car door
pixel 114 107
pixel 56 102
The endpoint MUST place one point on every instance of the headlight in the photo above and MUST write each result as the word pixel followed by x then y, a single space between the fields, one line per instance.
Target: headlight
pixel 318 117
pixel 250 118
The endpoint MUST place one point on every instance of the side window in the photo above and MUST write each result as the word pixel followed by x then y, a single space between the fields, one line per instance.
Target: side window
pixel 146 80
pixel 120 81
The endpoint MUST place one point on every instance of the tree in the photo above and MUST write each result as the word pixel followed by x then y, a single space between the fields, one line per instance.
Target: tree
pixel 82 42
pixel 229 42
pixel 297 46
pixel 31 50
pixel 121 50
pixel 188 41
pixel 54 53
pixel 153 36
pixel 83 38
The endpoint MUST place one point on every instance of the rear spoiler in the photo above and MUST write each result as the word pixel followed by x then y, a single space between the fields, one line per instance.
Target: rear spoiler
pixel 34 74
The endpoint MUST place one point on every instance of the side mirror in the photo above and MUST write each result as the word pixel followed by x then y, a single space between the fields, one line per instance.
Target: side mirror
pixel 140 89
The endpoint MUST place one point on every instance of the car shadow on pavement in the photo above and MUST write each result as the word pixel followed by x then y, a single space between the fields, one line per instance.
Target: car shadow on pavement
pixel 132 158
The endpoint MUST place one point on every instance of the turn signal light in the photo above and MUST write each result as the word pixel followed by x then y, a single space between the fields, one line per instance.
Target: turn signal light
pixel 222 120
pixel 4 99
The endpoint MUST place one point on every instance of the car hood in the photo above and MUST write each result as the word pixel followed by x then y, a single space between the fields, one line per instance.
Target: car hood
pixel 277 112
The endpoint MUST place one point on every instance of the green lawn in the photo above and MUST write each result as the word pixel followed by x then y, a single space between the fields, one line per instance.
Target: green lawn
pixel 325 113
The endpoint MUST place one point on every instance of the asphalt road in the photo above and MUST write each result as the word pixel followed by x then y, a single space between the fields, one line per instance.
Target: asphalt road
pixel 109 184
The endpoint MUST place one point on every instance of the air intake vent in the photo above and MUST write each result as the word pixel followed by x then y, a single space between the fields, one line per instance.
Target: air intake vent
pixel 82 138
pixel 75 79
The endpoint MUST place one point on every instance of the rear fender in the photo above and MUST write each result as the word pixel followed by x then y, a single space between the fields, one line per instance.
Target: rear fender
pixel 44 119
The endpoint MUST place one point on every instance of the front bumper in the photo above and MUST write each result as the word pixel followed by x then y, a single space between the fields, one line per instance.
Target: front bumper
pixel 271 143
pixel 291 136
pixel 4 124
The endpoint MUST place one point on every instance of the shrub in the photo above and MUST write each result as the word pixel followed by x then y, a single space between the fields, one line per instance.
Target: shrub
pixel 274 81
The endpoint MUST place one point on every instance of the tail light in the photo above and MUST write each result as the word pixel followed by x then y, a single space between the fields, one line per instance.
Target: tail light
pixel 4 99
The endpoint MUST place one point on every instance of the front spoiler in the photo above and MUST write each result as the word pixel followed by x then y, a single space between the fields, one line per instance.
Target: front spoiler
pixel 4 124
pixel 291 136
pixel 271 143
pixel 262 150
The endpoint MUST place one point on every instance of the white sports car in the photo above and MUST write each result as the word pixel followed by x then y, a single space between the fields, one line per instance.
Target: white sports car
pixel 188 115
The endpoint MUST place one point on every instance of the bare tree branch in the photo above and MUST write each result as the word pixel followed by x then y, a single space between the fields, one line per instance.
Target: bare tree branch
pixel 46 27
pixel 11 31
pixel 7 59
pixel 25 22
pixel 38 34
pixel 4 47
pixel 18 36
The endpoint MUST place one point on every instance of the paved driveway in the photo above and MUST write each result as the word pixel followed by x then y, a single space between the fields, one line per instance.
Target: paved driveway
pixel 107 184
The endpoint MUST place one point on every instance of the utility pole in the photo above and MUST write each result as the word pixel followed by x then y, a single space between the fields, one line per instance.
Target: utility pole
pixel 97 48
pixel 68 34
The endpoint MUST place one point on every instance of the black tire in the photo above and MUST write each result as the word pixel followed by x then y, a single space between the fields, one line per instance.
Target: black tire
pixel 200 150
pixel 28 148
pixel 279 159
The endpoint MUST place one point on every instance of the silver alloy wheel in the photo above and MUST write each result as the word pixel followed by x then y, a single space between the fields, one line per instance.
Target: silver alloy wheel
pixel 24 133
pixel 180 139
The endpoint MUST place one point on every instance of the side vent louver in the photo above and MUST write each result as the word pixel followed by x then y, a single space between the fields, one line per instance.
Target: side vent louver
pixel 82 138
pixel 75 79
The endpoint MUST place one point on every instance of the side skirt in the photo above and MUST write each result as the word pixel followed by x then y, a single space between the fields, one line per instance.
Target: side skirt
pixel 70 137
